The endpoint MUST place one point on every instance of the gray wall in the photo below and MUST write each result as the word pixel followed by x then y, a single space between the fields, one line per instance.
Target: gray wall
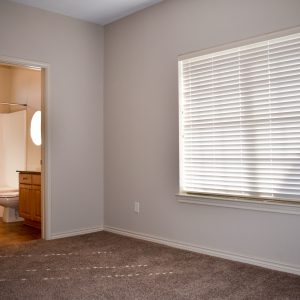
pixel 74 50
pixel 141 126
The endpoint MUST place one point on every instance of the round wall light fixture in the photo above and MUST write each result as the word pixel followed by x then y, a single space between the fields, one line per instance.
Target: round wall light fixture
pixel 35 128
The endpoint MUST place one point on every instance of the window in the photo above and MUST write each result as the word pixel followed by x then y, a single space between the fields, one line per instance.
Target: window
pixel 240 120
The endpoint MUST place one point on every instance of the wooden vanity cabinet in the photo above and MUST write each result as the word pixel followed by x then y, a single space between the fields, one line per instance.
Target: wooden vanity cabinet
pixel 30 198
pixel 24 201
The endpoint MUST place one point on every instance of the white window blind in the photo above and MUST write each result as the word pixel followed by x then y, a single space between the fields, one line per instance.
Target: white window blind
pixel 240 121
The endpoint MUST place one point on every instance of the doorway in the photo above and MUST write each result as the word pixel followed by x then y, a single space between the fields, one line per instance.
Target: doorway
pixel 33 177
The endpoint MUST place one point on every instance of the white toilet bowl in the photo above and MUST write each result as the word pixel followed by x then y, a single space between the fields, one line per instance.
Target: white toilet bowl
pixel 9 199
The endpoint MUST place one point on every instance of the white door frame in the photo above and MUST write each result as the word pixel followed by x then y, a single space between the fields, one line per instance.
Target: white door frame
pixel 46 153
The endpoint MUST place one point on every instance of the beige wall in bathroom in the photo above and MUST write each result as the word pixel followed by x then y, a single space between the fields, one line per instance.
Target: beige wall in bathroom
pixel 26 88
pixel 5 79
pixel 21 85
pixel 4 96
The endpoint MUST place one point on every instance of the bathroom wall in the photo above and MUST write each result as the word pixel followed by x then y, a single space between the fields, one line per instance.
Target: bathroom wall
pixel 23 85
pixel 5 76
pixel 26 88
pixel 5 80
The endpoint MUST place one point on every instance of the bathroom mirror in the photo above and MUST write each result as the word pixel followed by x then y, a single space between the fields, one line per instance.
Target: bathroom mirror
pixel 35 128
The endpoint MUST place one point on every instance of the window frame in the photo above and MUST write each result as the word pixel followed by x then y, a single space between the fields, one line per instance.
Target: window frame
pixel 248 202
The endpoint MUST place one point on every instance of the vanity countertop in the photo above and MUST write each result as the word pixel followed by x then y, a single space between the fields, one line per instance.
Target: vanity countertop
pixel 29 172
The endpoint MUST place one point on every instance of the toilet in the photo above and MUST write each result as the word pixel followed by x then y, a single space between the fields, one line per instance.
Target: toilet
pixel 9 199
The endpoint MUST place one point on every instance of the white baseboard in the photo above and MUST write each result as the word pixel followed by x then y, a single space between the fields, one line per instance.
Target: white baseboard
pixel 213 252
pixel 75 232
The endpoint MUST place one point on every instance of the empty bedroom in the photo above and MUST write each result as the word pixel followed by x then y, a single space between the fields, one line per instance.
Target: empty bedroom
pixel 168 165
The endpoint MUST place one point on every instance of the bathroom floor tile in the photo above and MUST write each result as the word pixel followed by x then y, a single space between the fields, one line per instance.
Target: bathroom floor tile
pixel 17 233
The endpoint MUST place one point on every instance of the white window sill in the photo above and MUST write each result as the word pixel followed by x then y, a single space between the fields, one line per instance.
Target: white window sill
pixel 238 203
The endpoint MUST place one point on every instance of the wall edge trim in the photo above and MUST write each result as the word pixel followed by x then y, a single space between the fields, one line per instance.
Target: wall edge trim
pixel 268 264
pixel 75 232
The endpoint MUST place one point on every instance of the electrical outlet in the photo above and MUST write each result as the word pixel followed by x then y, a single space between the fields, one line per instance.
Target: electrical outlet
pixel 137 207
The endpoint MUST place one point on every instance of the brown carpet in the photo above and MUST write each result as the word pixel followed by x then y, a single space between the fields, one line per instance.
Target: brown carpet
pixel 108 266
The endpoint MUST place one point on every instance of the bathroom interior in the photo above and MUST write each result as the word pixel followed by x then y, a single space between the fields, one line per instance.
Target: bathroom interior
pixel 20 154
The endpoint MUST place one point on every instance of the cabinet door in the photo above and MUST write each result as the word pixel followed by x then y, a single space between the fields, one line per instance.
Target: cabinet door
pixel 24 201
pixel 35 199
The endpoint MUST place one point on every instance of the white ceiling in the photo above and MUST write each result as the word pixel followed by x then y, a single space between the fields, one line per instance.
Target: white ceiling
pixel 97 11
